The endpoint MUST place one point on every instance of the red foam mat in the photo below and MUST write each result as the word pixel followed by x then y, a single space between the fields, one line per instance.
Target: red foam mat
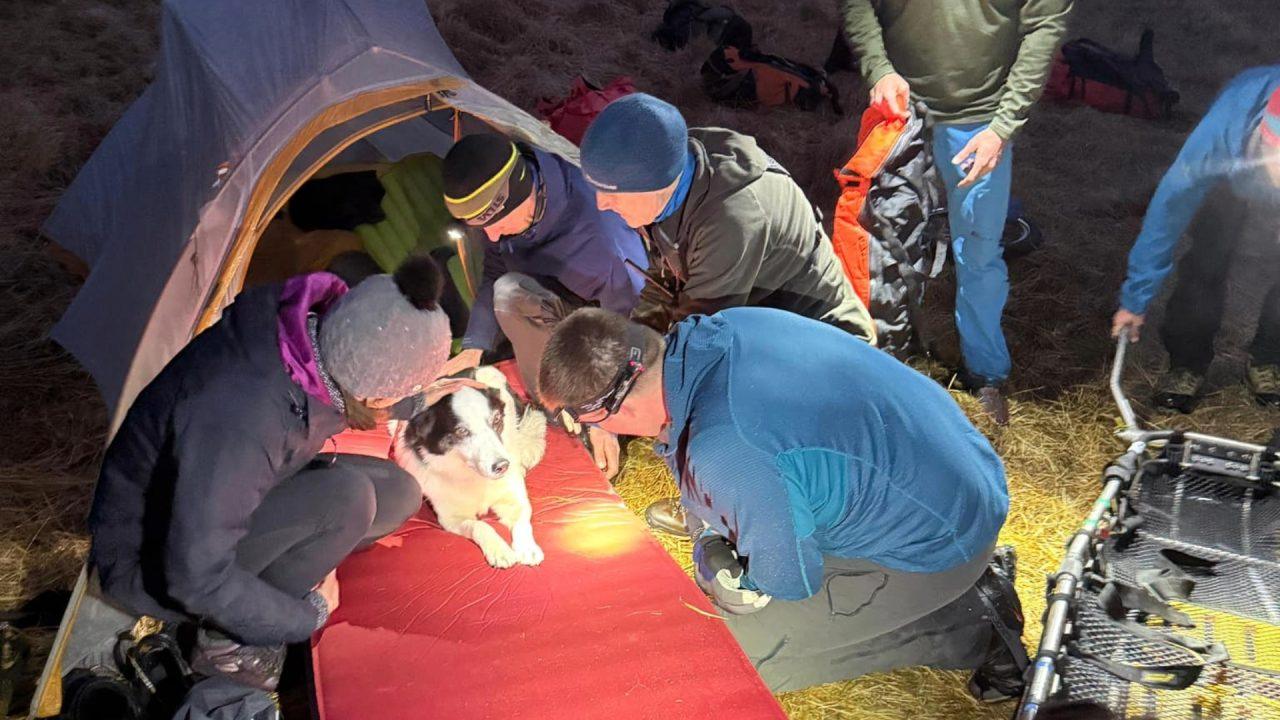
pixel 608 626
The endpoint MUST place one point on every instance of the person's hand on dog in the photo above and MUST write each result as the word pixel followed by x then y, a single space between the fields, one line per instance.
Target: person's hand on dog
pixel 328 590
pixel 445 386
pixel 893 94
pixel 979 156
pixel 604 446
pixel 464 360
pixel 1125 321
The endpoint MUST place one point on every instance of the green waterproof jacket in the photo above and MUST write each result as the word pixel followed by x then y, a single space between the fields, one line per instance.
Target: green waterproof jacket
pixel 745 235
pixel 967 60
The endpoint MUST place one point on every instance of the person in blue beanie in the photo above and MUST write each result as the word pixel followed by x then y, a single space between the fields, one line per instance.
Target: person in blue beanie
pixel 1223 187
pixel 549 252
pixel 723 223
pixel 843 507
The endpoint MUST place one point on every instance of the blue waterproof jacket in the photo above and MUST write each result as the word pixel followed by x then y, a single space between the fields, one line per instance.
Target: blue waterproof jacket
pixel 1216 150
pixel 796 440
pixel 582 248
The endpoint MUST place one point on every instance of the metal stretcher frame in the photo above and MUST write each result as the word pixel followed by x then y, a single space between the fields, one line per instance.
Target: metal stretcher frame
pixel 1242 462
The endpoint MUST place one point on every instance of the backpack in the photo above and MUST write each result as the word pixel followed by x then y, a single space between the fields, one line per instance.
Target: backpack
pixel 1088 72
pixel 748 79
pixel 887 225
pixel 571 115
pixel 684 20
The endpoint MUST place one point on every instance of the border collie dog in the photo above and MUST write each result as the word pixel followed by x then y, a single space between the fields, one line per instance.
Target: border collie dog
pixel 470 453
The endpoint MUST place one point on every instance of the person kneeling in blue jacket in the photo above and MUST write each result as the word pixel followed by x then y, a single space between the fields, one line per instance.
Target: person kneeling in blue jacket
pixel 550 250
pixel 844 509
pixel 216 503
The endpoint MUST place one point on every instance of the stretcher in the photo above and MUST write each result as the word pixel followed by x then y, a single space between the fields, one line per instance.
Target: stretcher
pixel 1167 603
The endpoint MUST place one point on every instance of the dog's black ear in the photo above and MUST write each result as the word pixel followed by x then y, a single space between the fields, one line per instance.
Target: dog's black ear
pixel 416 432
pixel 430 432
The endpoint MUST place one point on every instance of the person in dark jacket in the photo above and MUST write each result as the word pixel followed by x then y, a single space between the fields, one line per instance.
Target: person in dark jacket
pixel 843 507
pixel 550 252
pixel 216 503
pixel 724 225
pixel 1223 188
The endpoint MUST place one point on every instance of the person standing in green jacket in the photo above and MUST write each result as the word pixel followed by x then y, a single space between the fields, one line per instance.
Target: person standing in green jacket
pixel 978 66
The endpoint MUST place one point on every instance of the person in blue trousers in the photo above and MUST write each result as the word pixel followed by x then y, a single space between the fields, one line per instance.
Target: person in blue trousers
pixel 978 66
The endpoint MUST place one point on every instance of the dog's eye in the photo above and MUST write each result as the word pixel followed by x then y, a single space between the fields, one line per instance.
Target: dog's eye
pixel 461 432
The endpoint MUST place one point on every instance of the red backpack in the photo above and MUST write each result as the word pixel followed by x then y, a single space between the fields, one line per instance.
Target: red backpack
pixel 1090 73
pixel 570 116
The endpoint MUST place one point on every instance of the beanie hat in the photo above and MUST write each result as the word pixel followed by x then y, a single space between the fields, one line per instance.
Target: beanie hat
pixel 1271 120
pixel 485 178
pixel 387 337
pixel 638 143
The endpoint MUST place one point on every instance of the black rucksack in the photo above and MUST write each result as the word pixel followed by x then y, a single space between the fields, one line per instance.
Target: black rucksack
pixel 1088 72
pixel 684 20
pixel 748 79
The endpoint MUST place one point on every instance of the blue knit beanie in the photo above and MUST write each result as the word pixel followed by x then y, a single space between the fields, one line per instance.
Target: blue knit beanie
pixel 638 143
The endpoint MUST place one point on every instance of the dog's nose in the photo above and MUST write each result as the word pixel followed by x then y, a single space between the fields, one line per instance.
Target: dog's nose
pixel 499 467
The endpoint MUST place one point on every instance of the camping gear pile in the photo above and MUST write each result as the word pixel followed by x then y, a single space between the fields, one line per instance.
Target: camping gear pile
pixel 737 74
pixel 1166 602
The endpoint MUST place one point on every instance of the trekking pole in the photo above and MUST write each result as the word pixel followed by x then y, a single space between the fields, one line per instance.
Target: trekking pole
pixel 1117 390
pixel 1080 555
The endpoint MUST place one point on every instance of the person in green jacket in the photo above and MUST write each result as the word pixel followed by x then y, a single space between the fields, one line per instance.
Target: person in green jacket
pixel 978 66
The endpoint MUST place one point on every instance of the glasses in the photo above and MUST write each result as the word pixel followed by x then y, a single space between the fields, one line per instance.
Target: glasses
pixel 611 401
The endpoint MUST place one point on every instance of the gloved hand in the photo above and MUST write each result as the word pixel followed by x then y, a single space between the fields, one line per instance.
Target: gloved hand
pixel 720 574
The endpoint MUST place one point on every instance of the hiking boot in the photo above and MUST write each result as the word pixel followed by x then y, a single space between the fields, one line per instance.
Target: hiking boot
pixel 667 516
pixel 251 665
pixel 1001 675
pixel 1179 390
pixel 1264 382
pixel 994 404
pixel 98 694
pixel 1004 560
pixel 154 665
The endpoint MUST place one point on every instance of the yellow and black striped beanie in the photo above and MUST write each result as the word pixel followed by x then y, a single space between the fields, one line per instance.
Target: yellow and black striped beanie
pixel 485 178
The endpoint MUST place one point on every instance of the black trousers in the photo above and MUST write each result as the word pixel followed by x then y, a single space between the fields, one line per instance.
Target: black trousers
pixel 309 523
pixel 1194 313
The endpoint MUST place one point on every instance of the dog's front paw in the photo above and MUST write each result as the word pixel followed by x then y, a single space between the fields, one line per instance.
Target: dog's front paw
pixel 527 552
pixel 501 556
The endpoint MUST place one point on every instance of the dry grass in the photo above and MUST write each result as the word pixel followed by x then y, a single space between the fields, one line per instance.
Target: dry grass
pixel 72 66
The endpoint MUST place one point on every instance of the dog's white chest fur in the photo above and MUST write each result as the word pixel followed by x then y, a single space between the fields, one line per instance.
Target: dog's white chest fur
pixel 469 453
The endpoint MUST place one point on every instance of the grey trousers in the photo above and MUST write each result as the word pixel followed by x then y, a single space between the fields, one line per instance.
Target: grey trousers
pixel 528 312
pixel 867 619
